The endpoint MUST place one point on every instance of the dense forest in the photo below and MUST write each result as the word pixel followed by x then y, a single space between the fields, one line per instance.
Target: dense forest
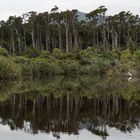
pixel 64 30
pixel 64 43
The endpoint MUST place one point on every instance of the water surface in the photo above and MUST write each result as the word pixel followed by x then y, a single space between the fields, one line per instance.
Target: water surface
pixel 66 108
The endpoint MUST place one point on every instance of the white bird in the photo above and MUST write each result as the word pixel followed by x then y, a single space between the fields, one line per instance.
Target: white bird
pixel 130 78
pixel 130 74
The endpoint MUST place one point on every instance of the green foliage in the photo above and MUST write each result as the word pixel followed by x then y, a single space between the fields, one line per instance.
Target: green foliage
pixel 87 70
pixel 70 66
pixel 131 46
pixel 116 54
pixel 43 34
pixel 88 61
pixel 8 68
pixel 137 55
pixel 57 53
pixel 3 52
pixel 31 53
pixel 43 67
pixel 25 64
pixel 127 60
pixel 21 59
pixel 126 55
pixel 45 54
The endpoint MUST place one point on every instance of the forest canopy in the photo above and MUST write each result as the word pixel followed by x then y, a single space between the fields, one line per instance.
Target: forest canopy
pixel 67 31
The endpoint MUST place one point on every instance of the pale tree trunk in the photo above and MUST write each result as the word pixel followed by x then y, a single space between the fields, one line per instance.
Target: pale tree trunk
pixel 67 40
pixel 13 43
pixel 93 36
pixel 47 34
pixel 25 46
pixel 19 41
pixel 75 37
pixel 33 37
pixel 38 40
pixel 104 37
pixel 104 33
pixel 60 38
pixel 114 40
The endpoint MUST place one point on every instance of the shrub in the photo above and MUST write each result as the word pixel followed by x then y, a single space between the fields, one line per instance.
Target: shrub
pixel 86 69
pixel 70 66
pixel 8 69
pixel 3 52
pixel 25 64
pixel 31 53
pixel 131 46
pixel 46 68
pixel 21 60
pixel 126 55
pixel 137 55
pixel 57 53
pixel 45 54
pixel 116 54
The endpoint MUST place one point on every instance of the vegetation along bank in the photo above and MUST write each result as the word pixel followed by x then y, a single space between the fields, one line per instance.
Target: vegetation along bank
pixel 69 43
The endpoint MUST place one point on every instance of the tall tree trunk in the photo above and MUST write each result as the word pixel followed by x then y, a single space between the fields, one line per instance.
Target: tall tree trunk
pixel 75 37
pixel 25 45
pixel 13 42
pixel 93 36
pixel 47 34
pixel 67 38
pixel 60 38
pixel 19 42
pixel 104 37
pixel 33 37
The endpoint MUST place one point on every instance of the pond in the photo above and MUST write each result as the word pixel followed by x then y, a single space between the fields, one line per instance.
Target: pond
pixel 75 108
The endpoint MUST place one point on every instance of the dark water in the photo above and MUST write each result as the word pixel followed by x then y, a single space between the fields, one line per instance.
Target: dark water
pixel 70 109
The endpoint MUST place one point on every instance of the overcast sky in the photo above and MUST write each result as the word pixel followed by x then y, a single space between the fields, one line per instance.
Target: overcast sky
pixel 18 7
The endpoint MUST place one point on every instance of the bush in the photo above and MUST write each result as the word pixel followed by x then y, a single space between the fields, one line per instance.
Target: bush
pixel 3 52
pixel 21 60
pixel 87 69
pixel 86 61
pixel 45 54
pixel 44 67
pixel 57 53
pixel 31 53
pixel 70 66
pixel 131 46
pixel 137 55
pixel 125 55
pixel 8 69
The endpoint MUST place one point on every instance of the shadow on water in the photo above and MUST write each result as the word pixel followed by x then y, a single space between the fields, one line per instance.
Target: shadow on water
pixel 69 105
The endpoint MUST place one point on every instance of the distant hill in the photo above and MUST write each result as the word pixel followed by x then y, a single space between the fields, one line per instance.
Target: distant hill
pixel 81 16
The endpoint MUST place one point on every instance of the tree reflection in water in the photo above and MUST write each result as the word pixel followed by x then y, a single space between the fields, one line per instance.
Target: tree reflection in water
pixel 68 106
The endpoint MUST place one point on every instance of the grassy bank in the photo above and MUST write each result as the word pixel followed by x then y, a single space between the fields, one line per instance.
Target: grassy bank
pixel 84 62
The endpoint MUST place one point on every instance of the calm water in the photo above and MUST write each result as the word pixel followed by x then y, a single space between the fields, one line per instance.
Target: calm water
pixel 70 109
